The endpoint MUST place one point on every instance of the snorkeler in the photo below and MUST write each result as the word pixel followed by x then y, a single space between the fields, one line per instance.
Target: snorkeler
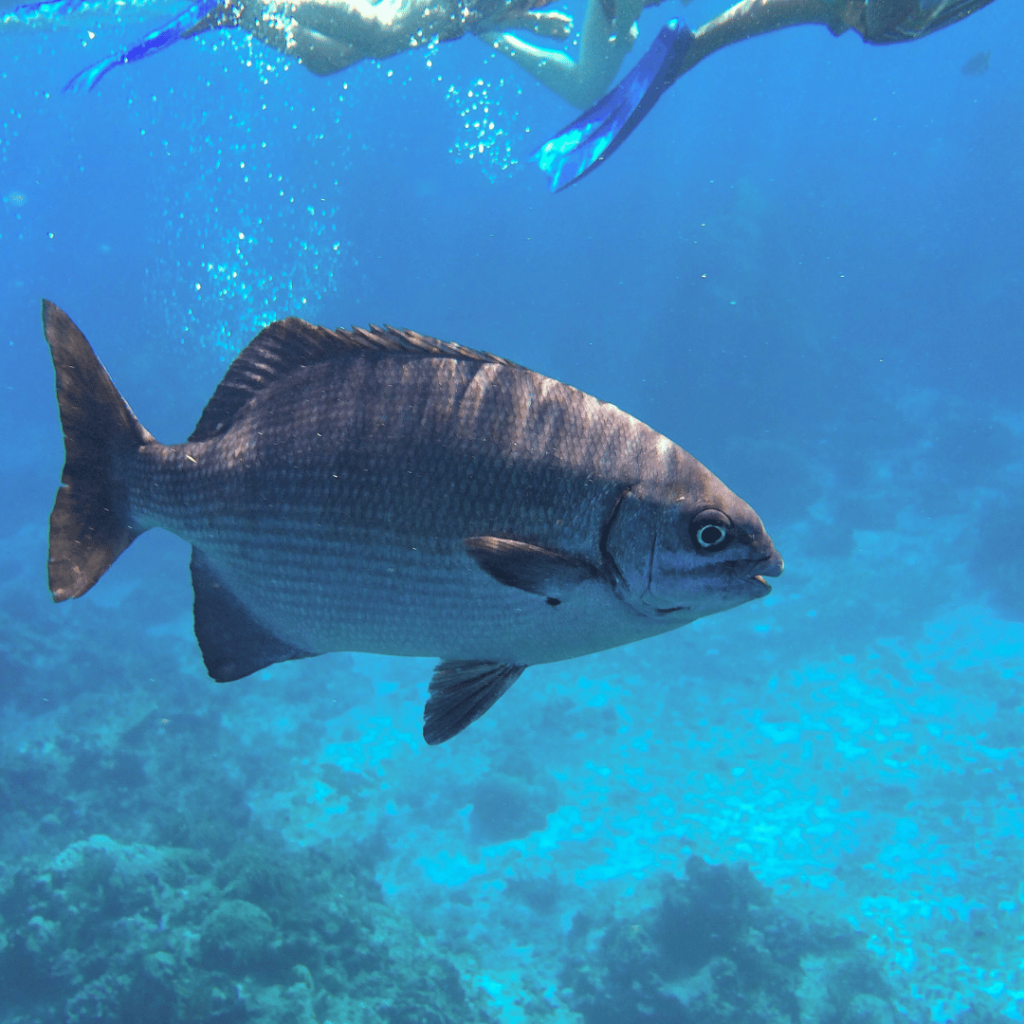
pixel 597 133
pixel 325 36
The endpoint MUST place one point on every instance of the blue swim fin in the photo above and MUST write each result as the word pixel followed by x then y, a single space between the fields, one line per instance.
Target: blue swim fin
pixel 579 147
pixel 158 39
pixel 45 8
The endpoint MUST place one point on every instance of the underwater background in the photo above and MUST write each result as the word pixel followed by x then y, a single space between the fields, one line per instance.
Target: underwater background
pixel 806 267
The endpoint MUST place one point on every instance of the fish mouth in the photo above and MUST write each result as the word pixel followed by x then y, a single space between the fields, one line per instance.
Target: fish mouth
pixel 672 611
pixel 770 566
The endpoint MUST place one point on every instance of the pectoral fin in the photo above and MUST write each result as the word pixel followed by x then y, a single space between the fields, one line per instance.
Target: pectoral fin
pixel 462 691
pixel 528 567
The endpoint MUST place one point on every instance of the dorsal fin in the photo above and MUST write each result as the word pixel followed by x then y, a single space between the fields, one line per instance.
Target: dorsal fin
pixel 288 345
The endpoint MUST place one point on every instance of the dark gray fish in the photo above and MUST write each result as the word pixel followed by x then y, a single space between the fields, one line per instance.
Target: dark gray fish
pixel 377 490
pixel 978 64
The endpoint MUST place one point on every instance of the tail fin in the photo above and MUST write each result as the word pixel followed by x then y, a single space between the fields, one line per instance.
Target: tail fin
pixel 88 526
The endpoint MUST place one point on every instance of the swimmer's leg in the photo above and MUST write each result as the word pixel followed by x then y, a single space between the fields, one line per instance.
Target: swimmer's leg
pixel 185 24
pixel 551 24
pixel 554 69
pixel 598 132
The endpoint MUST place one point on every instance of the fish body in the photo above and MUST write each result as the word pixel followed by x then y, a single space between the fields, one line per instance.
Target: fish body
pixel 978 64
pixel 382 491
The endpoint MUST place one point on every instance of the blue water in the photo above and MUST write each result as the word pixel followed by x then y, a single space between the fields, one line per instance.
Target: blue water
pixel 807 268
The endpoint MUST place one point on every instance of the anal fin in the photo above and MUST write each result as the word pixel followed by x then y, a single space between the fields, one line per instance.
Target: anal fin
pixel 462 691
pixel 233 643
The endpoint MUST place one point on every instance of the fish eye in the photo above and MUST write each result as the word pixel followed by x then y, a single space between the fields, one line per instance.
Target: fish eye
pixel 710 531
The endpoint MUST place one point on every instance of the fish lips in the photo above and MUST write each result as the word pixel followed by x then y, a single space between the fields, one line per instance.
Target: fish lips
pixel 771 565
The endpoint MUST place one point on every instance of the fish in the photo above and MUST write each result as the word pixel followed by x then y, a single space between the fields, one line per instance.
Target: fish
pixel 978 64
pixel 379 490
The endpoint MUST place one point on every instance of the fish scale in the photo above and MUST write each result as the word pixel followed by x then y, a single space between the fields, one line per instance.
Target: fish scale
pixel 348 584
pixel 381 491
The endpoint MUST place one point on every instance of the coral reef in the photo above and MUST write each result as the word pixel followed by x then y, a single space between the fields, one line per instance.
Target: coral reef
pixel 120 934
pixel 717 949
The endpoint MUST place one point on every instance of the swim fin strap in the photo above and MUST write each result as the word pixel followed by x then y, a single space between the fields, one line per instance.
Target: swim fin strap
pixel 579 147
pixel 158 39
